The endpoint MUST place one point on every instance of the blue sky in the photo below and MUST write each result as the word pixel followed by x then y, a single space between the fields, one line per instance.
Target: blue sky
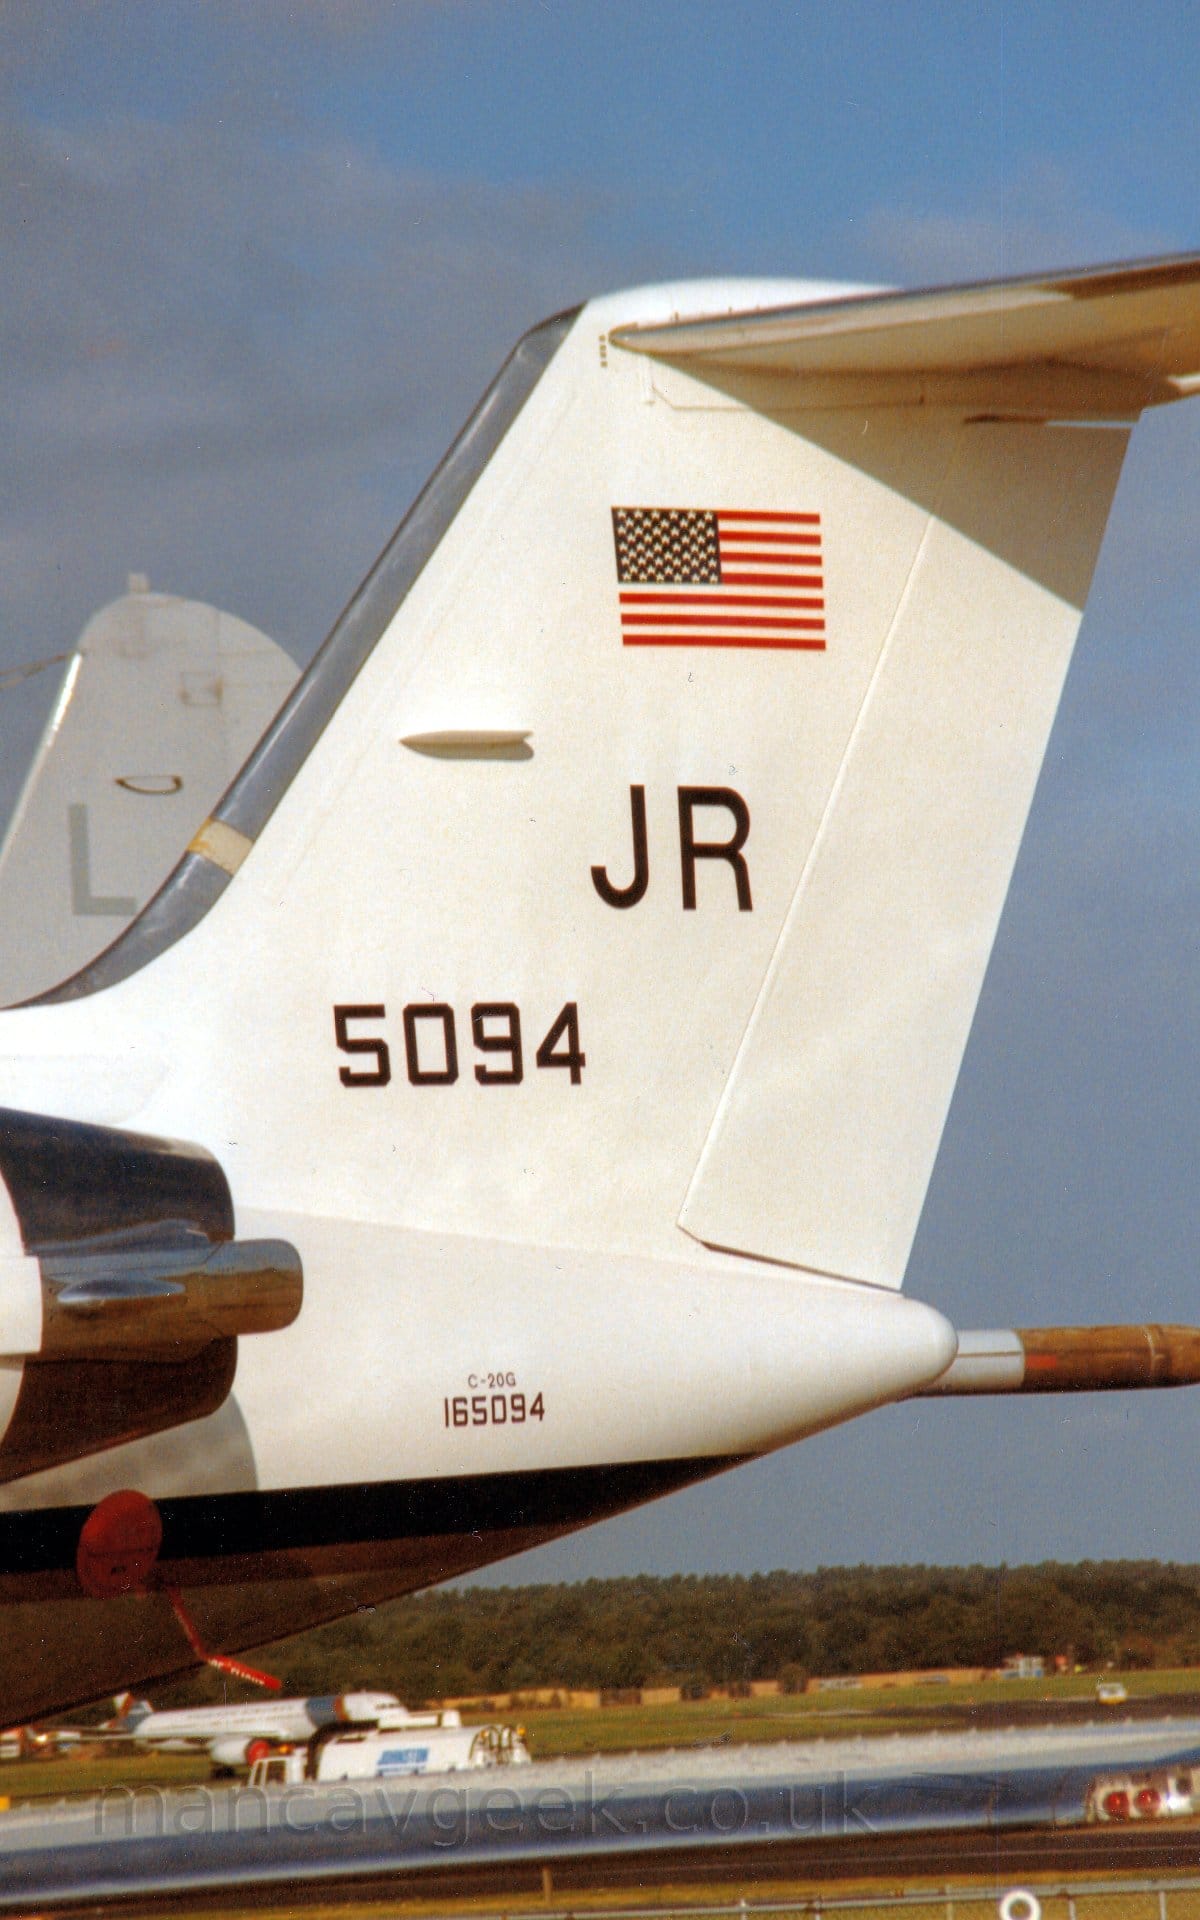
pixel 716 132
pixel 260 261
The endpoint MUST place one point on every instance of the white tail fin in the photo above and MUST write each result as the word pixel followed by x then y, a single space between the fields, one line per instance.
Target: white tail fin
pixel 854 1046
pixel 638 840
pixel 160 703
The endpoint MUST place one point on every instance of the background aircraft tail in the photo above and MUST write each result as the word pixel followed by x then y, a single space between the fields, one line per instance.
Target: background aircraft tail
pixel 128 1712
pixel 159 705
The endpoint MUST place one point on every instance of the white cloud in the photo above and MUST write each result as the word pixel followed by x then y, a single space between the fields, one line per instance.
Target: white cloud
pixel 1037 220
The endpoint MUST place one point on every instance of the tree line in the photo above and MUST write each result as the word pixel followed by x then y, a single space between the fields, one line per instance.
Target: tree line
pixel 698 1631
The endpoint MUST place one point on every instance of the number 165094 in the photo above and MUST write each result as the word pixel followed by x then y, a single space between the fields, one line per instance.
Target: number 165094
pixel 491 1409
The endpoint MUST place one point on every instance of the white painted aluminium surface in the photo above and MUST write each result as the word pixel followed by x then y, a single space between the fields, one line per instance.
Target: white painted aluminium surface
pixel 827 1131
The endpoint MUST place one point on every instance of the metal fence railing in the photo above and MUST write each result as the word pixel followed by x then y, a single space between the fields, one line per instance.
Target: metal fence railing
pixel 1133 1899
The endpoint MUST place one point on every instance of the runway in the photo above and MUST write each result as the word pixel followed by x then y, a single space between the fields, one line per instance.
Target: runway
pixel 999 1803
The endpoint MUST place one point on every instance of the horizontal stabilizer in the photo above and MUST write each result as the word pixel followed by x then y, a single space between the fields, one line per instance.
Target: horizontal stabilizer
pixel 1070 1360
pixel 1117 338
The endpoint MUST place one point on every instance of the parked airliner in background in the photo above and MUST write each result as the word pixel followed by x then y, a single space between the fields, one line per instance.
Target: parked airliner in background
pixel 238 1735
pixel 520 1100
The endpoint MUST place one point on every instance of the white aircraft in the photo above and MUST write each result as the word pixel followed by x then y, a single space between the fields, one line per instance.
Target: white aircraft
pixel 159 704
pixel 529 1080
pixel 241 1734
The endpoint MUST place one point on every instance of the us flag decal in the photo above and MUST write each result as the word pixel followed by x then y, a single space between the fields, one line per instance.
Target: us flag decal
pixel 690 577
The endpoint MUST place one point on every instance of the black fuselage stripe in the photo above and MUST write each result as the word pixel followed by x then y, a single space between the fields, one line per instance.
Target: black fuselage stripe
pixel 228 1525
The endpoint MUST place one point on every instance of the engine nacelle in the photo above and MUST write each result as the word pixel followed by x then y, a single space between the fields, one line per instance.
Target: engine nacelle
pixel 122 1288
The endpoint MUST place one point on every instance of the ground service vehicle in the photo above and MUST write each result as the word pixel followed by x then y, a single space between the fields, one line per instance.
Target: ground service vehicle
pixel 378 1755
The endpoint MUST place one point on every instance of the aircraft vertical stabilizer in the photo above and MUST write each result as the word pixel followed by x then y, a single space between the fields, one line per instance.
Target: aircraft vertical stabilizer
pixel 673 761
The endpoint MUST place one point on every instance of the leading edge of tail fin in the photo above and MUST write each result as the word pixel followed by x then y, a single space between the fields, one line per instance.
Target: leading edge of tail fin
pixel 214 856
pixel 670 777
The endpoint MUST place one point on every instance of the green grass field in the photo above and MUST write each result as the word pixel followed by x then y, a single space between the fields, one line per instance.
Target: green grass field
pixel 22 1780
pixel 811 1716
